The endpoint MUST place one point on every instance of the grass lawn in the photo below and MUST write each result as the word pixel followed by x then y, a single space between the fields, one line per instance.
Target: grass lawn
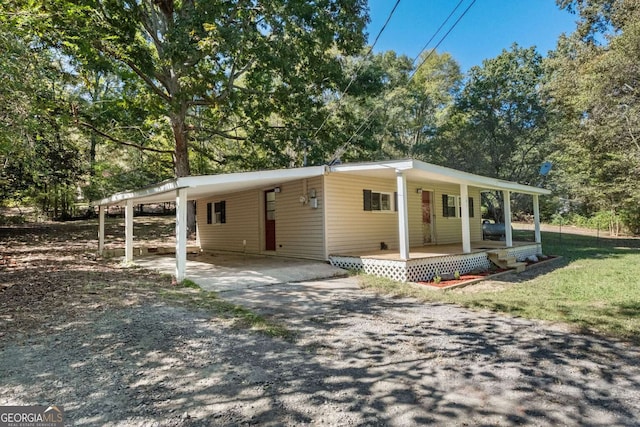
pixel 595 286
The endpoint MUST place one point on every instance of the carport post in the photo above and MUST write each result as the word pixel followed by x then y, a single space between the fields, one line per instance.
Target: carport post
pixel 403 219
pixel 128 231
pixel 100 230
pixel 507 218
pixel 181 234
pixel 536 218
pixel 466 229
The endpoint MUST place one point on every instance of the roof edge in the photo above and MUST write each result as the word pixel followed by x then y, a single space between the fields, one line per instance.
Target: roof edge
pixel 161 187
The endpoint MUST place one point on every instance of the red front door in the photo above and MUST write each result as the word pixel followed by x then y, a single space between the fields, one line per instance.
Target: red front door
pixel 270 220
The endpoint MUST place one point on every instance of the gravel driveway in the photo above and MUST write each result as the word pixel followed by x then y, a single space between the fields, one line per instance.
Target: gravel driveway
pixel 358 359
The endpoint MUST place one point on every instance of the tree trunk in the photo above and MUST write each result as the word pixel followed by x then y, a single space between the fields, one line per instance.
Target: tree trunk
pixel 92 155
pixel 181 160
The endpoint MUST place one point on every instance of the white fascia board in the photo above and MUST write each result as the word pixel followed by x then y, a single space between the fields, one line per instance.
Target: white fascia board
pixel 162 187
pixel 400 165
pixel 484 182
pixel 243 180
pixel 251 177
pixel 440 173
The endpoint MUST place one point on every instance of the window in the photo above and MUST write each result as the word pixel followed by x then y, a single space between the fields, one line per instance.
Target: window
pixel 217 213
pixel 448 206
pixel 452 206
pixel 377 201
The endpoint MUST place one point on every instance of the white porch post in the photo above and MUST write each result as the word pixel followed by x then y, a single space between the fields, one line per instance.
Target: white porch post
pixel 466 229
pixel 507 218
pixel 403 217
pixel 536 218
pixel 181 234
pixel 128 231
pixel 100 229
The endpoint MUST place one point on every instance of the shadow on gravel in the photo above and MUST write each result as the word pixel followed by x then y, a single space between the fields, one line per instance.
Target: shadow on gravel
pixel 358 359
pixel 380 362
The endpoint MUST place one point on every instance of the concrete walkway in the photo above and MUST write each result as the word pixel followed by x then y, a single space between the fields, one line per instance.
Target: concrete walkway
pixel 223 272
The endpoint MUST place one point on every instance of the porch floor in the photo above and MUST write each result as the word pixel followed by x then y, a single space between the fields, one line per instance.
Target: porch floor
pixel 430 251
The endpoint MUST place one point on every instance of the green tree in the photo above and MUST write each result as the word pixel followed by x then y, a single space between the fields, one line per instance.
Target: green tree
pixel 600 17
pixel 368 121
pixel 594 87
pixel 434 87
pixel 40 159
pixel 499 126
pixel 393 109
pixel 233 63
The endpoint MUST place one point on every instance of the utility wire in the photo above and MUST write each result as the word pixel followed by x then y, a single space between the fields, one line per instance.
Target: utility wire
pixel 436 32
pixel 365 124
pixel 441 40
pixel 355 75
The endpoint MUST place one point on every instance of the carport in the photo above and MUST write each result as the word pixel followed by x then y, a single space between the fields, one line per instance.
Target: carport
pixel 221 272
pixel 180 191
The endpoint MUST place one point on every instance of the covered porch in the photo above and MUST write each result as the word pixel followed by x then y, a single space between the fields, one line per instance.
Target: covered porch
pixel 428 261
pixel 421 263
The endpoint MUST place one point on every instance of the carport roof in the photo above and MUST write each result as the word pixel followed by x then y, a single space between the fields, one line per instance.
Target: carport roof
pixel 204 185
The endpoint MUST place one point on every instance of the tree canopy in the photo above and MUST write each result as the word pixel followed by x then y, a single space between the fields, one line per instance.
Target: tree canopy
pixel 102 96
pixel 594 88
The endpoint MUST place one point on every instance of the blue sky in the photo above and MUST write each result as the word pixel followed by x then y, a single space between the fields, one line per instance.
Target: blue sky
pixel 488 27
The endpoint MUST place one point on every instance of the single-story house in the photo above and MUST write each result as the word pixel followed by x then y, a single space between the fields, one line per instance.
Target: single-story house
pixel 404 219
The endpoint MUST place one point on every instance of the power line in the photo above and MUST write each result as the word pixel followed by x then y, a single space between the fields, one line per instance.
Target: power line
pixel 442 39
pixel 365 123
pixel 355 75
pixel 436 32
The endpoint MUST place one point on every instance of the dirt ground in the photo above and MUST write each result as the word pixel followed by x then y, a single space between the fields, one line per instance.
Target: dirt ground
pixel 105 342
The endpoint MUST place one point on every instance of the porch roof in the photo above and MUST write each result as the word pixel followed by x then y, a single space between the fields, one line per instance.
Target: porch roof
pixel 415 170
pixel 203 185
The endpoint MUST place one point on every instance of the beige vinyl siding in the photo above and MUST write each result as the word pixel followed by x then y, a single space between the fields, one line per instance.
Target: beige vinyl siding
pixel 414 213
pixel 299 227
pixel 446 229
pixel 299 231
pixel 243 223
pixel 351 229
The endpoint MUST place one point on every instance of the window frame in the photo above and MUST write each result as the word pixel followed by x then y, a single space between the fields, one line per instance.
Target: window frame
pixel 373 201
pixel 217 212
pixel 456 209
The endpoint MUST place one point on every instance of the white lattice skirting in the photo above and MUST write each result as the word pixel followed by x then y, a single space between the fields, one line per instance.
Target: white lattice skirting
pixel 423 269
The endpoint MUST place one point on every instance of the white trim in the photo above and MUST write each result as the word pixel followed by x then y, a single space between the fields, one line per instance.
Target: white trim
pixel 391 202
pixel 181 234
pixel 464 210
pixel 162 187
pixel 403 216
pixel 536 218
pixel 394 165
pixel 325 229
pixel 101 210
pixel 421 171
pixel 128 231
pixel 278 176
pixel 507 219
pixel 200 186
